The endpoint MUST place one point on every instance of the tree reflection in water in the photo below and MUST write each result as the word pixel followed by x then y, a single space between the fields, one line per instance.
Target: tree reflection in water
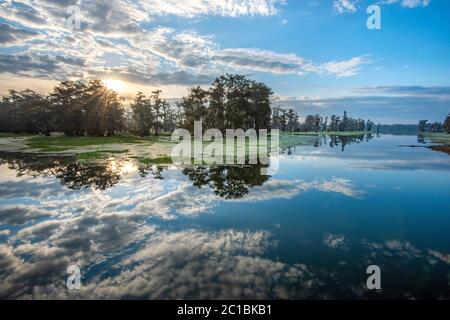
pixel 77 175
pixel 333 141
pixel 71 173
pixel 155 170
pixel 229 182
pixel 343 141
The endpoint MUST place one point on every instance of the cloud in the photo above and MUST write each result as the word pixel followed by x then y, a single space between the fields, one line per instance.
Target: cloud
pixel 351 6
pixel 344 68
pixel 338 185
pixel 382 104
pixel 125 16
pixel 335 241
pixel 25 14
pixel 287 189
pixel 40 230
pixel 170 265
pixel 230 8
pixel 134 75
pixel 409 3
pixel 435 91
pixel 115 41
pixel 20 214
pixel 267 61
pixel 189 200
pixel 18 188
pixel 195 52
pixel 113 17
pixel 14 36
pixel 445 257
pixel 41 66
pixel 122 254
pixel 345 6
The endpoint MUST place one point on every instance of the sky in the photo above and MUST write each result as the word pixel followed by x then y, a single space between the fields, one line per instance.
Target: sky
pixel 317 56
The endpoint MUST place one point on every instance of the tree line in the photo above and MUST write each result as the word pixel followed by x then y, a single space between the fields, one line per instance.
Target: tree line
pixel 232 101
pixel 288 120
pixel 425 126
pixel 79 108
pixel 74 107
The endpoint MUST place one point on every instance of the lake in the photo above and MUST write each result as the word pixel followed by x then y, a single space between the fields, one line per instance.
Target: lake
pixel 335 207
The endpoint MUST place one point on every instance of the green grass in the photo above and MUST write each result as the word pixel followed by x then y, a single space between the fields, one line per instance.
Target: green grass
pixel 51 144
pixel 328 133
pixel 94 155
pixel 160 160
pixel 97 155
pixel 439 137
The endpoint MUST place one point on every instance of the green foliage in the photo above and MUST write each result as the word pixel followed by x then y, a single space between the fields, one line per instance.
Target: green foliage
pixel 447 124
pixel 160 160
pixel 151 115
pixel 80 108
pixel 86 109
pixel 331 133
pixel 50 144
pixel 232 101
pixel 436 127
pixel 24 111
pixel 76 108
pixel 287 121
pixel 436 137
pixel 100 154
pixel 93 155
pixel 142 115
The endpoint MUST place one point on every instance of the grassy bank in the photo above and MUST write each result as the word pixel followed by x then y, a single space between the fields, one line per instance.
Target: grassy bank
pixel 62 143
pixel 329 133
pixel 436 137
pixel 87 148
pixel 159 160
pixel 98 155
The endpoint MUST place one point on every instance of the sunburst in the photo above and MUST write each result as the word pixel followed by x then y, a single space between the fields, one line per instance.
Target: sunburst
pixel 114 84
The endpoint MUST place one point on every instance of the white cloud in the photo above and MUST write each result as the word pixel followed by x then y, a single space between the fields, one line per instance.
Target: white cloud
pixel 177 265
pixel 224 8
pixel 345 6
pixel 351 6
pixel 409 3
pixel 113 42
pixel 335 241
pixel 189 200
pixel 344 68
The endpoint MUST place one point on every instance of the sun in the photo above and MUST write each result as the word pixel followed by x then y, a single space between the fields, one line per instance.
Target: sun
pixel 114 84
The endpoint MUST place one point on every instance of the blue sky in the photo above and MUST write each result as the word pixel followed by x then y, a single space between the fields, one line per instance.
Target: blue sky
pixel 318 56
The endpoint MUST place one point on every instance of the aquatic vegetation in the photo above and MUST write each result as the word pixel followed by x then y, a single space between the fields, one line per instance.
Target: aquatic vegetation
pixel 62 143
pixel 159 160
pixel 337 204
pixel 101 154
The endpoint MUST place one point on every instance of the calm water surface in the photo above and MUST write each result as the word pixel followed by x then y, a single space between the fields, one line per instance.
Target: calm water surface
pixel 309 231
